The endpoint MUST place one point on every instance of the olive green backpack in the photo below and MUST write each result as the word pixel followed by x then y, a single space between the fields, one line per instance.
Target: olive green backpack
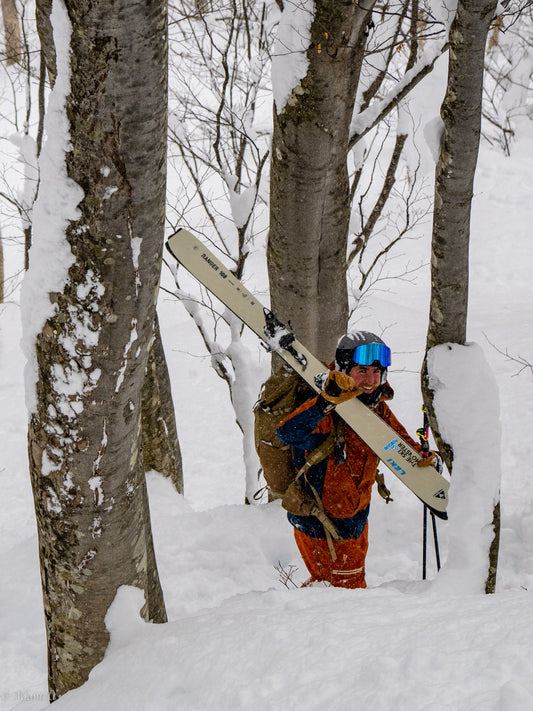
pixel 280 395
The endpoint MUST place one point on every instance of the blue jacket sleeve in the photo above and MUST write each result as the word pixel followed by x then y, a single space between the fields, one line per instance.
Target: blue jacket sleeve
pixel 298 429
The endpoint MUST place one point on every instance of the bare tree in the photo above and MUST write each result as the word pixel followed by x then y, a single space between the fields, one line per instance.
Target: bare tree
pixel 360 66
pixel 92 343
pixel 218 83
pixel 218 155
pixel 220 86
pixel 461 115
pixel 309 186
pixel 19 110
pixel 508 73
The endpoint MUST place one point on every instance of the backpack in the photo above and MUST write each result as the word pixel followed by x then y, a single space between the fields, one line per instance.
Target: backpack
pixel 280 395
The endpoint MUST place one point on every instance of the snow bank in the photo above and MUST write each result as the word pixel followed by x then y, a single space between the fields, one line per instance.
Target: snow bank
pixel 123 619
pixel 319 648
pixel 467 406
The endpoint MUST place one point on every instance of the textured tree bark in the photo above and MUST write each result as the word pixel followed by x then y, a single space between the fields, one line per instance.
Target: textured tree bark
pixel 11 32
pixel 461 115
pixel 85 441
pixel 490 583
pixel 161 449
pixel 309 188
pixel 454 180
pixel 43 8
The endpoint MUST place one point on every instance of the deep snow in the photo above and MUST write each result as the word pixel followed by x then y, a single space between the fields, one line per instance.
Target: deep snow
pixel 237 637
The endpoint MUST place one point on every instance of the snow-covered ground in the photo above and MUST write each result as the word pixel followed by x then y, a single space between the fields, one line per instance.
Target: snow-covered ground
pixel 237 638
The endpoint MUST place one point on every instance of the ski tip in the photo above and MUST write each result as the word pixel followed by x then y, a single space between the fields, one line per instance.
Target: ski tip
pixel 168 242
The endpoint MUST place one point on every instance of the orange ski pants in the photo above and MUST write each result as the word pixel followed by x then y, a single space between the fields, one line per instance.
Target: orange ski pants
pixel 347 571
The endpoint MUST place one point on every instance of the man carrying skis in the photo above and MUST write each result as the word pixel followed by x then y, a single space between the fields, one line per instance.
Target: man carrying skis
pixel 329 502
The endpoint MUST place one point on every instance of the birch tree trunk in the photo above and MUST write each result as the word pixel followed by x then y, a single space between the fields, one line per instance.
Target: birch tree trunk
pixel 85 441
pixel 461 115
pixel 309 187
pixel 161 450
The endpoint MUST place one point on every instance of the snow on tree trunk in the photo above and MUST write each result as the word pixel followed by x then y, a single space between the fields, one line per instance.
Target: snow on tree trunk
pixel 466 403
pixel 316 66
pixel 243 399
pixel 88 307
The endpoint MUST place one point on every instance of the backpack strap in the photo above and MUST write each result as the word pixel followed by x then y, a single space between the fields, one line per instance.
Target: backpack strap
pixel 334 439
pixel 318 454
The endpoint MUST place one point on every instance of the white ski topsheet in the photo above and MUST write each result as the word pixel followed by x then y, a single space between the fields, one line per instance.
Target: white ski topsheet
pixel 392 450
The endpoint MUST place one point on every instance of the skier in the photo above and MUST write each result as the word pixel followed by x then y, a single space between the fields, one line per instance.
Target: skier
pixel 328 504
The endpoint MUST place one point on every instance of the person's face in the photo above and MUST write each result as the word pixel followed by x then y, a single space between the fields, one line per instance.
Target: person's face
pixel 366 377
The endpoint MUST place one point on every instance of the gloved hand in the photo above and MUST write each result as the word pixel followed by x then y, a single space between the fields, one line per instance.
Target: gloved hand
pixel 339 387
pixel 432 459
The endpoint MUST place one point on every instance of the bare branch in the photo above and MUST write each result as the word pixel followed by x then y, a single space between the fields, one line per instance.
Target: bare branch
pixel 370 118
pixel 524 363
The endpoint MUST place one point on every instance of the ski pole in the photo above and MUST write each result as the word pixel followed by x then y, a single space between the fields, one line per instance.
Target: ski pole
pixel 435 540
pixel 423 434
pixel 424 541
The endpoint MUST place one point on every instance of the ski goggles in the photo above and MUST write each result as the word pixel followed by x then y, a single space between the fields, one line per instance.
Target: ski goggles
pixel 370 352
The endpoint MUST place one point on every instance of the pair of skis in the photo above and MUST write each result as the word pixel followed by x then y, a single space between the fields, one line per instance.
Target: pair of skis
pixel 392 450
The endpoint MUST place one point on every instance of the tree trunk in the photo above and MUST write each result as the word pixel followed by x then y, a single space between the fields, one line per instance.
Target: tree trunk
pixel 161 449
pixel 43 8
pixel 309 187
pixel 461 115
pixel 85 431
pixel 490 583
pixel 11 32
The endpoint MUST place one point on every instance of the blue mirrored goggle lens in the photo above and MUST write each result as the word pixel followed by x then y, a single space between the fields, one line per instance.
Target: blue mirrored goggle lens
pixel 370 352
